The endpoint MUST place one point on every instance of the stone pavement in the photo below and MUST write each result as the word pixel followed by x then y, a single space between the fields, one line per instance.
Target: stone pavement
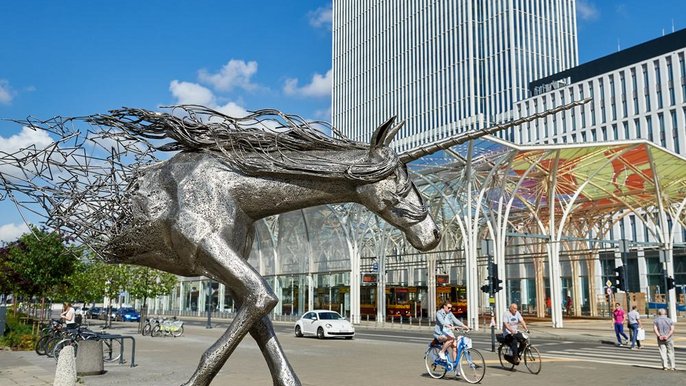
pixel 170 361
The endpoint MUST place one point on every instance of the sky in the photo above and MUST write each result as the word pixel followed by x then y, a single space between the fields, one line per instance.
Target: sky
pixel 79 57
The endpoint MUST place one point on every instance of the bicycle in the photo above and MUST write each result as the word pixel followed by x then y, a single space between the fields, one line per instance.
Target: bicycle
pixel 171 327
pixel 469 363
pixel 150 323
pixel 72 339
pixel 530 354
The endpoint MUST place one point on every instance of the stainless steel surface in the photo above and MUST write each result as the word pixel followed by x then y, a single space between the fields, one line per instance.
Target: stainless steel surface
pixel 194 213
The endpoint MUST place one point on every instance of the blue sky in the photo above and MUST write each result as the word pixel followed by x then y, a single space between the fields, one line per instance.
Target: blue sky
pixel 83 57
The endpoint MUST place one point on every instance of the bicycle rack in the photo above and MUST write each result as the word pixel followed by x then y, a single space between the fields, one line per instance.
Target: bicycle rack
pixel 121 338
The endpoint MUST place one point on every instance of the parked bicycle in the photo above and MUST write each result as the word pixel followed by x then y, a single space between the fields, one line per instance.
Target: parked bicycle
pixel 52 330
pixel 166 327
pixel 72 338
pixel 150 323
pixel 530 354
pixel 468 364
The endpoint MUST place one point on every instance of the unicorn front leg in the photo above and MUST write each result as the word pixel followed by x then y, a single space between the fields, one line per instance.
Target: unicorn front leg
pixel 256 300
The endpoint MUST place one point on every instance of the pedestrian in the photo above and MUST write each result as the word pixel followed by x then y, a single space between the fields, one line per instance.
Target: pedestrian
pixel 664 329
pixel 568 305
pixel 618 321
pixel 634 319
pixel 68 315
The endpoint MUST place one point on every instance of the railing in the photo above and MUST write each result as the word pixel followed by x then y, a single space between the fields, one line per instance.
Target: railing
pixel 120 339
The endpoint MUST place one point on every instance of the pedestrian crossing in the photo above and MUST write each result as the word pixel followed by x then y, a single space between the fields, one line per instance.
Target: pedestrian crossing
pixel 610 354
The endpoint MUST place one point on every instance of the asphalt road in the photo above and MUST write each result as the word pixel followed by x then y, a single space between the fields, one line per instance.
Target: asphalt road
pixel 380 357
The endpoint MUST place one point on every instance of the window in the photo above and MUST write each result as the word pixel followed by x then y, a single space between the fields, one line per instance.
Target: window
pixel 675 132
pixel 649 127
pixel 637 126
pixel 658 84
pixel 661 125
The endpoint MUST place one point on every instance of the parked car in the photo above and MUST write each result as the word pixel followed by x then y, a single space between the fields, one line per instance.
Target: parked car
pixel 93 313
pixel 127 315
pixel 103 313
pixel 324 324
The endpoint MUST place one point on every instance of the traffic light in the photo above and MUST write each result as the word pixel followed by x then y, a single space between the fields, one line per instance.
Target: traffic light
pixel 493 277
pixel 619 279
pixel 670 283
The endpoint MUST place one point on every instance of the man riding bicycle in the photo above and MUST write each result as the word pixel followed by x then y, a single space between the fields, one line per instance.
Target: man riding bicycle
pixel 511 320
pixel 443 332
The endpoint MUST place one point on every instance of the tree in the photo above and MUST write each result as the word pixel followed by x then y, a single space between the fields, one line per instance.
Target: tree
pixel 37 264
pixel 149 283
pixel 39 261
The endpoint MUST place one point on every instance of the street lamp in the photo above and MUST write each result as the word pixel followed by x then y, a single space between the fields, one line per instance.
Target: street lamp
pixel 208 304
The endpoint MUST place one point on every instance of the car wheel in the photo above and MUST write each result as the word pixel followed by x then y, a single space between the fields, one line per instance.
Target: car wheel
pixel 320 333
pixel 298 332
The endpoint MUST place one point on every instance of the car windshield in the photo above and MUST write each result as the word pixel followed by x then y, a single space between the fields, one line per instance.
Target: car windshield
pixel 128 310
pixel 330 316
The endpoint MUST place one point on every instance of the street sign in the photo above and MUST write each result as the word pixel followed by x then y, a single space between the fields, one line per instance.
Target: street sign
pixel 608 283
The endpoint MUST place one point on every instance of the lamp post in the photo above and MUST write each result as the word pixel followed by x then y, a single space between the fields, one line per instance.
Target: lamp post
pixel 208 304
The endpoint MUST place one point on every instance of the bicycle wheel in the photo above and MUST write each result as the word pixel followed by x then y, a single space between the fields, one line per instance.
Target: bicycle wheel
pixel 155 331
pixel 50 345
pixel 532 359
pixel 472 365
pixel 146 330
pixel 431 359
pixel 41 343
pixel 502 351
pixel 178 332
pixel 111 350
pixel 61 345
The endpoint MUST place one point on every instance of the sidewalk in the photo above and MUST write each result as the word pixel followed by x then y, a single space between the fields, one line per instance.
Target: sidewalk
pixel 168 361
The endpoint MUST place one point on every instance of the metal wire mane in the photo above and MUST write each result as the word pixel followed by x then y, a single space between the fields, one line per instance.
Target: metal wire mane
pixel 264 142
pixel 80 180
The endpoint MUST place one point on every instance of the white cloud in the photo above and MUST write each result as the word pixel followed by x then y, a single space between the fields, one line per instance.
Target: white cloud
pixel 6 92
pixel 586 10
pixel 27 137
pixel 11 232
pixel 320 86
pixel 191 93
pixel 321 17
pixel 232 109
pixel 234 74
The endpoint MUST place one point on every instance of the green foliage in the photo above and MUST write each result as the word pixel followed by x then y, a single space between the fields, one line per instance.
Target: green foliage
pixel 146 283
pixel 36 264
pixel 18 335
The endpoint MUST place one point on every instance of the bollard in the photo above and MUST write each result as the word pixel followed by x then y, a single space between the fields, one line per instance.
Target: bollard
pixel 65 373
pixel 89 358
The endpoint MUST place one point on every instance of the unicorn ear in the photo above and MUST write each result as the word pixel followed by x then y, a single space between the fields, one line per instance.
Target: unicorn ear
pixel 383 134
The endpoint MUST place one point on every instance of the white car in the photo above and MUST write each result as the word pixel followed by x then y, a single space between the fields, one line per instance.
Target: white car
pixel 324 324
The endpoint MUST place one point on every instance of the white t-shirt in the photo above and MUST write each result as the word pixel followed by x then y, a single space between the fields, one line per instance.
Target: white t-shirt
pixel 68 315
pixel 511 320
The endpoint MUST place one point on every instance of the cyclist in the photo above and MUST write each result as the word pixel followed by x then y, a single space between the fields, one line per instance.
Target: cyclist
pixel 443 332
pixel 511 320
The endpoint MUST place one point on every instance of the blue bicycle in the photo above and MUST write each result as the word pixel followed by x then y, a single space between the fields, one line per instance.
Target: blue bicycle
pixel 469 363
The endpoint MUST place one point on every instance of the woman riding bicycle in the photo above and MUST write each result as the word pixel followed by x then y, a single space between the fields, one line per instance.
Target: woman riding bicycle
pixel 443 332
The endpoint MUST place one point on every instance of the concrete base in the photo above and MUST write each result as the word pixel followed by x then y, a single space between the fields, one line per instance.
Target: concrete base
pixel 89 360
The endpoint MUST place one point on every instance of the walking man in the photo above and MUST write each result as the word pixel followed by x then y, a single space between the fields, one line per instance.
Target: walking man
pixel 664 329
pixel 618 320
pixel 634 324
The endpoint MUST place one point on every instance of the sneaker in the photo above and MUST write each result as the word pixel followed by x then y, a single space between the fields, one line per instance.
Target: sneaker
pixel 634 348
pixel 442 355
pixel 665 369
pixel 508 358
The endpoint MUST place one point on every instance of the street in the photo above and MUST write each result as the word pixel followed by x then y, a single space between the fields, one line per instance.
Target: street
pixel 374 357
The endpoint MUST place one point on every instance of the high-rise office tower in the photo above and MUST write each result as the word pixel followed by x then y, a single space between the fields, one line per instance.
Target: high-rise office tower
pixel 442 66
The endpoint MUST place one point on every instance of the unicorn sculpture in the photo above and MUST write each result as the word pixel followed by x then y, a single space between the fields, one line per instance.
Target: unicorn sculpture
pixel 193 213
